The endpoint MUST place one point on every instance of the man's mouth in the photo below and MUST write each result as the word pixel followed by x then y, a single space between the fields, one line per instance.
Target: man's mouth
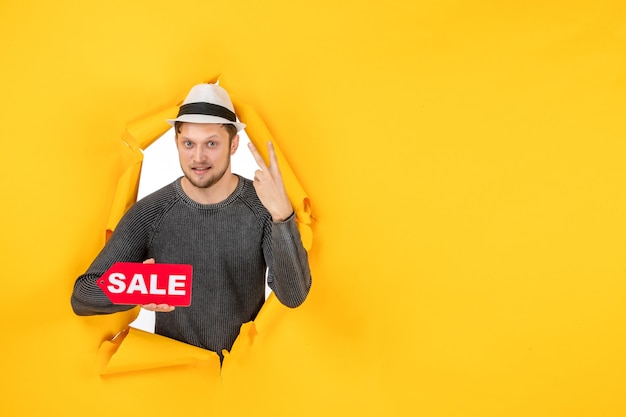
pixel 200 170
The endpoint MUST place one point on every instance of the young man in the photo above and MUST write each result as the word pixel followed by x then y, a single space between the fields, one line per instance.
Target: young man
pixel 230 229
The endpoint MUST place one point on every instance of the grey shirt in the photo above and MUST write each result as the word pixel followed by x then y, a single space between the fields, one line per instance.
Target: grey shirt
pixel 229 245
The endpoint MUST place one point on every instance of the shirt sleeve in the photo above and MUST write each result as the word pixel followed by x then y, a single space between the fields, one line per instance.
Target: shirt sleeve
pixel 128 243
pixel 289 275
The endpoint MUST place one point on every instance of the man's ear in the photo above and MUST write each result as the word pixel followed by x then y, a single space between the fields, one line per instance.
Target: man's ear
pixel 234 144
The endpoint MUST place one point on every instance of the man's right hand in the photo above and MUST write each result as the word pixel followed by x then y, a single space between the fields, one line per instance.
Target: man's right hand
pixel 161 308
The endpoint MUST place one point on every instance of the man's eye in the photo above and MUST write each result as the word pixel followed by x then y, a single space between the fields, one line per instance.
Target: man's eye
pixel 212 144
pixel 187 144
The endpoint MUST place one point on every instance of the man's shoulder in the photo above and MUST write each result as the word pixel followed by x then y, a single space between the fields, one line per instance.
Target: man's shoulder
pixel 248 193
pixel 166 192
pixel 155 201
pixel 250 198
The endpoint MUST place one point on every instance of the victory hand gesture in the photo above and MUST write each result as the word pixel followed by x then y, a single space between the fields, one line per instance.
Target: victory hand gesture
pixel 268 183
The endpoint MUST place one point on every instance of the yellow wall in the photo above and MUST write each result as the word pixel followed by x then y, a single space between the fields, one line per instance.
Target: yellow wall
pixel 465 166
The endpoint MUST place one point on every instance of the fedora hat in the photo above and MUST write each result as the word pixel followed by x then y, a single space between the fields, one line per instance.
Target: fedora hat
pixel 207 103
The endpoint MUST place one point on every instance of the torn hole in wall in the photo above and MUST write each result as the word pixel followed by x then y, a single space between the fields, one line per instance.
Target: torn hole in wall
pixel 161 166
pixel 139 136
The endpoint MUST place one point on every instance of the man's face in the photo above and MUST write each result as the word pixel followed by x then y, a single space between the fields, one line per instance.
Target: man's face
pixel 204 152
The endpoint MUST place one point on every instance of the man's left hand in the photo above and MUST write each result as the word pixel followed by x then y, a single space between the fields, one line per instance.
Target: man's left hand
pixel 268 183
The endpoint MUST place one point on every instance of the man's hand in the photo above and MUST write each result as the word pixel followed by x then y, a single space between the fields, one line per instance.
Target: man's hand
pixel 268 183
pixel 161 308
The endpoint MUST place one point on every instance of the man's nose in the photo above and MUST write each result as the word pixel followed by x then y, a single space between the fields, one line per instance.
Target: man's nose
pixel 200 154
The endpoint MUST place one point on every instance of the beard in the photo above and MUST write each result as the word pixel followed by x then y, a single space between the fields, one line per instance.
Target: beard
pixel 207 181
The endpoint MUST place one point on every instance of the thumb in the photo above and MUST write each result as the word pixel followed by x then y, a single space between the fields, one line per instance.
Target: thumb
pixel 149 261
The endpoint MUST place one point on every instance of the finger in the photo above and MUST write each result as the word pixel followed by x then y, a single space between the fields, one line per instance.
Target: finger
pixel 274 169
pixel 273 158
pixel 163 308
pixel 149 261
pixel 257 156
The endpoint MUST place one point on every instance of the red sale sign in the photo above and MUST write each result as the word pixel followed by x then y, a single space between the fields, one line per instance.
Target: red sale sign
pixel 138 283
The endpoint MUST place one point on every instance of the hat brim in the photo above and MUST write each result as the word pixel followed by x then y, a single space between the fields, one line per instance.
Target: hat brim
pixel 203 118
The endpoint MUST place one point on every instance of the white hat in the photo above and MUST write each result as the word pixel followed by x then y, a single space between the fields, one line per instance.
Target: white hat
pixel 207 103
